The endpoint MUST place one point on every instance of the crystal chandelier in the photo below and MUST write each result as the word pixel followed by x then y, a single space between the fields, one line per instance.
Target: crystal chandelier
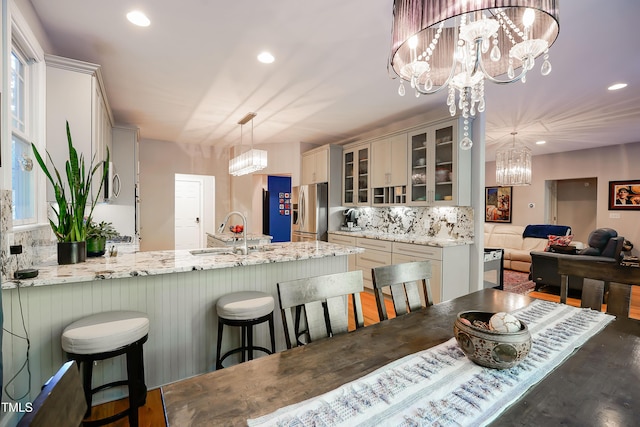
pixel 459 44
pixel 249 161
pixel 513 164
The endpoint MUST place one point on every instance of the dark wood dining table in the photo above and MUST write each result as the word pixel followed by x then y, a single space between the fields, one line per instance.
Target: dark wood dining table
pixel 598 385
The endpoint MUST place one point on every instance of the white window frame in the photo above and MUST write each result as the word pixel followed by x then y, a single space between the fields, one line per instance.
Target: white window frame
pixel 23 41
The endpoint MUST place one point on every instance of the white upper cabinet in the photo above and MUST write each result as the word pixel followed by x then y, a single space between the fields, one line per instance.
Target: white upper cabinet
pixel 418 167
pixel 389 161
pixel 75 93
pixel 315 166
pixel 440 172
pixel 355 175
pixel 389 170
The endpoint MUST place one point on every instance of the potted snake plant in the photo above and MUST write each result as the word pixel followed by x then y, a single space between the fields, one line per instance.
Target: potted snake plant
pixel 73 211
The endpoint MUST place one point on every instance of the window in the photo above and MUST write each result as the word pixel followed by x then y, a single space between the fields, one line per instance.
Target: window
pixel 22 174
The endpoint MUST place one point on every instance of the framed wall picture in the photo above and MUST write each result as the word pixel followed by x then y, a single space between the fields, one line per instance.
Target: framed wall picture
pixel 497 204
pixel 624 195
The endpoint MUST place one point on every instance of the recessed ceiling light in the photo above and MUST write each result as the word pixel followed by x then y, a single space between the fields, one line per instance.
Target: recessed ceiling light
pixel 266 58
pixel 617 86
pixel 540 142
pixel 138 18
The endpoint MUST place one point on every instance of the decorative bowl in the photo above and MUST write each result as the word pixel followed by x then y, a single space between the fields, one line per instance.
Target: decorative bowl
pixel 442 175
pixel 500 350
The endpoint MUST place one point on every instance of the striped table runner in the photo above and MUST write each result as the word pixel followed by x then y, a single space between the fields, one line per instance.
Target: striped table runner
pixel 440 386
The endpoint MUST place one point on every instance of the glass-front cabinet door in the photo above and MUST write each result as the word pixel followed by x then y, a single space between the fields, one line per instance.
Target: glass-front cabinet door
pixel 348 191
pixel 444 172
pixel 418 192
pixel 440 171
pixel 355 190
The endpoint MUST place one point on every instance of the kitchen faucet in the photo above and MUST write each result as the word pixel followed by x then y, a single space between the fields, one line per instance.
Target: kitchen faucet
pixel 245 249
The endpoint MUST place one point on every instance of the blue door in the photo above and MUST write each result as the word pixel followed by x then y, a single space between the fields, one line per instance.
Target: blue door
pixel 279 208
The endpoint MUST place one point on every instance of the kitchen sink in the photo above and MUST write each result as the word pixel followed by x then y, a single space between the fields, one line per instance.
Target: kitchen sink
pixel 212 251
pixel 222 250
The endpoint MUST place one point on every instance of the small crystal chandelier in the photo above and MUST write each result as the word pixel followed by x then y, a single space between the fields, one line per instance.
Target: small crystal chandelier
pixel 249 161
pixel 459 43
pixel 513 164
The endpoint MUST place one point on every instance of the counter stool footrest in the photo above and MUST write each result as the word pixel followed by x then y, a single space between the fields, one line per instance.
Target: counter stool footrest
pixel 247 346
pixel 135 381
pixel 243 349
pixel 109 385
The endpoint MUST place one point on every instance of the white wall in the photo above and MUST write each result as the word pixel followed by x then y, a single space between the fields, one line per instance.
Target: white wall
pixel 161 160
pixel 613 163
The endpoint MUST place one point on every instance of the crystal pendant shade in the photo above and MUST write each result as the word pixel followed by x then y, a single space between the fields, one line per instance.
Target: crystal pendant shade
pixel 250 161
pixel 513 164
pixel 458 44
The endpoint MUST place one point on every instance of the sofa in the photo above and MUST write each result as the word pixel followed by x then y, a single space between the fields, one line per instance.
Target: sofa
pixel 517 247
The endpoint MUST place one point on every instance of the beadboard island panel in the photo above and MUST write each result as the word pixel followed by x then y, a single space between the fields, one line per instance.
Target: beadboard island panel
pixel 177 291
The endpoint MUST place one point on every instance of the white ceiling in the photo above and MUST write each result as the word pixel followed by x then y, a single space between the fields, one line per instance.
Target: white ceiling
pixel 192 74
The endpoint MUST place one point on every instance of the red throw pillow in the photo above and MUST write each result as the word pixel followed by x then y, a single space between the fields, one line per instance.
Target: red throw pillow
pixel 558 240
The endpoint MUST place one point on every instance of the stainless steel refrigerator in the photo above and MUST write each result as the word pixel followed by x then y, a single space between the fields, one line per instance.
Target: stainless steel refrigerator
pixel 310 212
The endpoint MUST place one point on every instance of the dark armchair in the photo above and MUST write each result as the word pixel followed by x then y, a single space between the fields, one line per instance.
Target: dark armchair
pixel 604 246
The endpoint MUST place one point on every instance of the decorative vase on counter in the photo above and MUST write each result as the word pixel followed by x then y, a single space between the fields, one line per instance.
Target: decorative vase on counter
pixel 72 252
pixel 96 246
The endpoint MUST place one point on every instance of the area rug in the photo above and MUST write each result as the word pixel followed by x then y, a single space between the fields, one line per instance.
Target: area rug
pixel 518 282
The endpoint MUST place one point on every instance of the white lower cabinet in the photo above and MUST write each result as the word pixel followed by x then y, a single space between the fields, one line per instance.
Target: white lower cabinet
pixel 436 273
pixel 377 253
pixel 449 267
pixel 449 264
pixel 347 241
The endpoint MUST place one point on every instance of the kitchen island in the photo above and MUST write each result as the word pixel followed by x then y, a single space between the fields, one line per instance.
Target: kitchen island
pixel 177 289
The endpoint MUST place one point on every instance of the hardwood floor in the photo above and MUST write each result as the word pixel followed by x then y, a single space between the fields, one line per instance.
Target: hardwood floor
pixel 370 310
pixel 152 414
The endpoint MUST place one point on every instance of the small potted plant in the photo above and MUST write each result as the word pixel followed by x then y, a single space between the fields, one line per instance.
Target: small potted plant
pixel 71 226
pixel 97 235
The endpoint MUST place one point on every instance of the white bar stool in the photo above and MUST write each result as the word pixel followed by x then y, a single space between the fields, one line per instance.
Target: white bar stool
pixel 244 309
pixel 105 335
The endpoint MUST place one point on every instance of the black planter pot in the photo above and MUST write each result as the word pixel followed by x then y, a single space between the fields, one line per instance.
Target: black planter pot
pixel 72 252
pixel 96 246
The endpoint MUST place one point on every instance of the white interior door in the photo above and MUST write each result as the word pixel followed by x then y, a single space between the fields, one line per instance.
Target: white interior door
pixel 188 213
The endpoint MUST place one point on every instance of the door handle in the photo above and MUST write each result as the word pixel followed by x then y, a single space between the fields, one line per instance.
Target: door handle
pixel 302 211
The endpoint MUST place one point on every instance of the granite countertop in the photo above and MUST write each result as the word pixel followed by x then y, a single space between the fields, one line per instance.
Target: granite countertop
pixel 406 238
pixel 165 262
pixel 229 237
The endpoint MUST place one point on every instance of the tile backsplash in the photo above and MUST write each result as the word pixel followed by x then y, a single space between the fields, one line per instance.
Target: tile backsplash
pixel 37 242
pixel 438 222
